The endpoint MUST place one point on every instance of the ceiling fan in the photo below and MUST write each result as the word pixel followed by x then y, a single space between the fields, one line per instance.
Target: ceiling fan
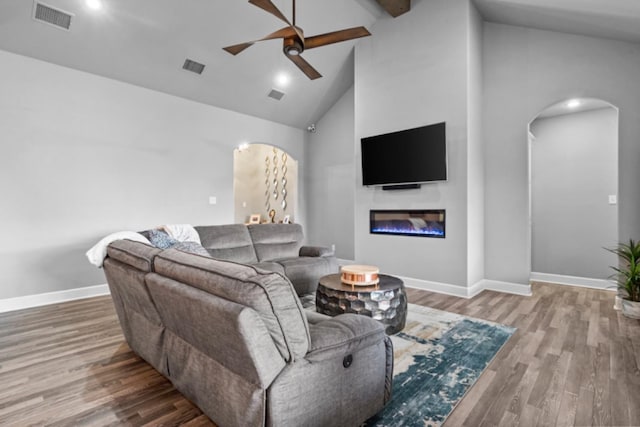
pixel 294 41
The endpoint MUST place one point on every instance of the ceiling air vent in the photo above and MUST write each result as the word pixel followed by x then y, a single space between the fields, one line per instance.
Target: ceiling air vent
pixel 193 66
pixel 276 94
pixel 49 15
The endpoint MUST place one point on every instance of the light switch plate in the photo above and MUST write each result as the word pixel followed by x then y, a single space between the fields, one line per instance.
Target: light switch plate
pixel 613 199
pixel 212 200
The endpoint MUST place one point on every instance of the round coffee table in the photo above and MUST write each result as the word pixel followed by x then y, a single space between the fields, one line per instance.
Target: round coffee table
pixel 386 302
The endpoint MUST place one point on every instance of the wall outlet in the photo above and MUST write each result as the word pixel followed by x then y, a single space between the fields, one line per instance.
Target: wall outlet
pixel 244 204
pixel 333 247
pixel 213 200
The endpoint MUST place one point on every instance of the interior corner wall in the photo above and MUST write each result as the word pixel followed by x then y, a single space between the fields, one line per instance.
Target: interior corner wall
pixel 526 70
pixel 330 179
pixel 475 156
pixel 84 156
pixel 411 73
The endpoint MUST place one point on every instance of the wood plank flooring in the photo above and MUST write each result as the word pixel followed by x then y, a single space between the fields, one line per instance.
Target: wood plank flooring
pixel 573 361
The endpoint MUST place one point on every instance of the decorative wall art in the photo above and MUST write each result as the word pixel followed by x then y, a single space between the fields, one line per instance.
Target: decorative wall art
pixel 284 181
pixel 264 179
pixel 272 184
pixel 267 172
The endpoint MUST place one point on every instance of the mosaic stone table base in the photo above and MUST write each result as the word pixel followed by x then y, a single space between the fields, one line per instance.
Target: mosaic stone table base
pixel 386 302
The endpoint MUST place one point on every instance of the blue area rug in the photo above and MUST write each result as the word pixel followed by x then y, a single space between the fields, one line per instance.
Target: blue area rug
pixel 438 356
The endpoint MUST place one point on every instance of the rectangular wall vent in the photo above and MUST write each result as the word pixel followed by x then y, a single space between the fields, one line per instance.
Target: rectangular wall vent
pixel 276 94
pixel 193 66
pixel 49 15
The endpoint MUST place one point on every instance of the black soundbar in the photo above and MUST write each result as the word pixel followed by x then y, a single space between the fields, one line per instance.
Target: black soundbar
pixel 401 187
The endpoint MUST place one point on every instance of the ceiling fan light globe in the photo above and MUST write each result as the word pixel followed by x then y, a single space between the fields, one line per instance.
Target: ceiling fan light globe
pixel 292 47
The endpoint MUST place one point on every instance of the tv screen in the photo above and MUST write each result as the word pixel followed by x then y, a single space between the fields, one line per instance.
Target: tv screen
pixel 406 157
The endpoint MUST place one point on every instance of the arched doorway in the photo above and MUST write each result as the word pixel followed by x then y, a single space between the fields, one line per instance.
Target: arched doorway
pixel 573 187
pixel 265 183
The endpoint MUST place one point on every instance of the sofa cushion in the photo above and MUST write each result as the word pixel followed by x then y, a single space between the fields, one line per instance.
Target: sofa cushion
pixel 230 242
pixel 270 266
pixel 136 254
pixel 306 271
pixel 271 295
pixel 276 241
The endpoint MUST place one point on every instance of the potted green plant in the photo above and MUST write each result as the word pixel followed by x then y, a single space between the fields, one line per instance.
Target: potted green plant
pixel 627 276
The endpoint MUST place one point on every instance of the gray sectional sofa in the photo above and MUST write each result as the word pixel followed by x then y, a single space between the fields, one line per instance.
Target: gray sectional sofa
pixel 236 341
pixel 272 247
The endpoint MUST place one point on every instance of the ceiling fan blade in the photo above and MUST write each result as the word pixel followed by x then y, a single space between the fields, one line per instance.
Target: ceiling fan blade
pixel 268 6
pixel 304 66
pixel 281 33
pixel 271 8
pixel 335 37
pixel 237 48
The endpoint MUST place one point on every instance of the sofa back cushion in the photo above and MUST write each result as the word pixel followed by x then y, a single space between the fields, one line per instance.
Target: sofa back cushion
pixel 125 268
pixel 271 295
pixel 135 254
pixel 230 242
pixel 276 241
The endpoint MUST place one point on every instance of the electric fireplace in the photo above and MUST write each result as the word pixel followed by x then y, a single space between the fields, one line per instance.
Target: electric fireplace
pixel 421 223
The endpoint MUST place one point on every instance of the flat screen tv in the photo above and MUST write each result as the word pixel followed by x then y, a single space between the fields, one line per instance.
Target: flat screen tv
pixel 409 156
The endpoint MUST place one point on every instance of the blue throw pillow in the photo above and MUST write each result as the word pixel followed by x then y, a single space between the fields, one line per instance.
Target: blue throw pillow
pixel 159 238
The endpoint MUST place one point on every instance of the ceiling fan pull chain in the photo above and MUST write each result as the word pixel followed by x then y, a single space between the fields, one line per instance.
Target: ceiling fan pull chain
pixel 294 13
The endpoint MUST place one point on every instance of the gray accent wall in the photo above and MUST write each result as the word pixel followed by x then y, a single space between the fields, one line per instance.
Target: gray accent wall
pixel 331 179
pixel 475 155
pixel 574 170
pixel 84 156
pixel 417 70
pixel 525 71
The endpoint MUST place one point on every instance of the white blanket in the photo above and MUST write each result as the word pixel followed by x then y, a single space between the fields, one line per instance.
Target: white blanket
pixel 182 232
pixel 98 252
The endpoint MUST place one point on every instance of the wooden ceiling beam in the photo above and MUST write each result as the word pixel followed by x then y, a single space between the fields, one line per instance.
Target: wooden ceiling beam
pixel 395 8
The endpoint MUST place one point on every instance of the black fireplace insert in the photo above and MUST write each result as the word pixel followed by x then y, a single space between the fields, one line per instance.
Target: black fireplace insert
pixel 421 223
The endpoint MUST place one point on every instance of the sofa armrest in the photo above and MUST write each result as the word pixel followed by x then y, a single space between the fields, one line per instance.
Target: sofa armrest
pixel 315 251
pixel 342 335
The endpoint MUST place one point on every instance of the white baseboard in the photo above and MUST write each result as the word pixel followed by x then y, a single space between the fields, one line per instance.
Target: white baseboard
pixel 583 282
pixel 523 289
pixel 462 292
pixel 29 301
pixel 438 287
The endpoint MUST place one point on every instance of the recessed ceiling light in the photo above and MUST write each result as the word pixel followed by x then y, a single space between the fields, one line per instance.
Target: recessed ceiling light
pixel 573 103
pixel 94 4
pixel 282 79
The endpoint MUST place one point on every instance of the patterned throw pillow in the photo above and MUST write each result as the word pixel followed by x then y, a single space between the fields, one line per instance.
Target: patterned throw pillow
pixel 192 248
pixel 159 238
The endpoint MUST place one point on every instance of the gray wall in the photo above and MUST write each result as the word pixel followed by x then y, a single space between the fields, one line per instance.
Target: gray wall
pixel 415 71
pixel 475 154
pixel 330 179
pixel 84 156
pixel 525 71
pixel 574 169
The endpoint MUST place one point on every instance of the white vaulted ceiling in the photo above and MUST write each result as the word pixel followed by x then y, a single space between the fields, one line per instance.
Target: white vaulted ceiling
pixel 145 42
